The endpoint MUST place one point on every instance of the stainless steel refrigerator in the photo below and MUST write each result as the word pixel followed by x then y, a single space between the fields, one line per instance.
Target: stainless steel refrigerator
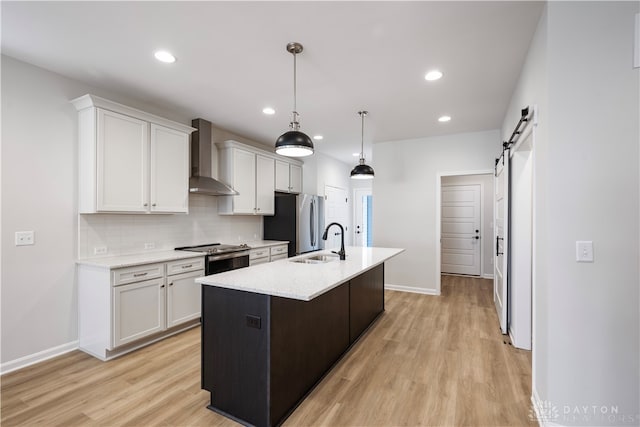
pixel 298 218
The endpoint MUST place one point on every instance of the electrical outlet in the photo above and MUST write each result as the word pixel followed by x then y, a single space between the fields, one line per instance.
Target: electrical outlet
pixel 24 238
pixel 254 321
pixel 149 245
pixel 100 250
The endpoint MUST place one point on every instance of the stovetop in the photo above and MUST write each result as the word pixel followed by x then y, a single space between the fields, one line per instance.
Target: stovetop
pixel 214 248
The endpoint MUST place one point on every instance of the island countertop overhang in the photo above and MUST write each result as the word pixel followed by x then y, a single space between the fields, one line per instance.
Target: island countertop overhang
pixel 288 279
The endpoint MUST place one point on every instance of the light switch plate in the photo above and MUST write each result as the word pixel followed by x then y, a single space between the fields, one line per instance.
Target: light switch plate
pixel 24 238
pixel 584 251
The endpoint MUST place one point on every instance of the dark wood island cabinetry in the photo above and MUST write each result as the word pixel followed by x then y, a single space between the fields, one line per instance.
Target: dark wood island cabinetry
pixel 262 354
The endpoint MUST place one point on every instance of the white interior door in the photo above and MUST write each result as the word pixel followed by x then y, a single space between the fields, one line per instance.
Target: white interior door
pixel 501 244
pixel 335 211
pixel 460 229
pixel 361 216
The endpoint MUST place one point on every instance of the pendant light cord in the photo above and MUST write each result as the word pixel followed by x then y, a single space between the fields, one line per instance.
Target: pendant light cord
pixel 362 115
pixel 294 122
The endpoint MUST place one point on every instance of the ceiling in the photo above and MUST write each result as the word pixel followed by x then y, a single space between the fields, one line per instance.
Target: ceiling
pixel 232 61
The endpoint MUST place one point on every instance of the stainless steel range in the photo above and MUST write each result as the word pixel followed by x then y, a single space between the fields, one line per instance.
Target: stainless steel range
pixel 221 257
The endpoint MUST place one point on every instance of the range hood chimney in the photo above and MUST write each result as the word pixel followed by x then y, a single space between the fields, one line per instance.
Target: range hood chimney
pixel 201 181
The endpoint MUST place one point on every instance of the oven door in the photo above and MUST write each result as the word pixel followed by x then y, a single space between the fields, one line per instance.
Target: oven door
pixel 225 262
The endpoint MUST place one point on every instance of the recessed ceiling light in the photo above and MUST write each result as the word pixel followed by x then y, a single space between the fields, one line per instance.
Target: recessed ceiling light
pixel 433 75
pixel 356 154
pixel 318 137
pixel 444 119
pixel 269 111
pixel 164 56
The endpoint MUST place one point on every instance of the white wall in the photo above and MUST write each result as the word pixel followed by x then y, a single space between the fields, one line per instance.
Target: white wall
pixel 486 232
pixel 404 194
pixel 321 170
pixel 39 193
pixel 586 348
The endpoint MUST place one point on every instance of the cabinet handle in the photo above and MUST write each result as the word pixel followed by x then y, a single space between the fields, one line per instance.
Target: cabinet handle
pixel 139 274
pixel 187 266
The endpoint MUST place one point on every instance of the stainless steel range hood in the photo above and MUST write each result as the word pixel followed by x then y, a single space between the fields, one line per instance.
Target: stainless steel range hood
pixel 201 181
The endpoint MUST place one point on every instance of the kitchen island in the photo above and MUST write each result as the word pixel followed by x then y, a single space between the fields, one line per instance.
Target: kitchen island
pixel 272 331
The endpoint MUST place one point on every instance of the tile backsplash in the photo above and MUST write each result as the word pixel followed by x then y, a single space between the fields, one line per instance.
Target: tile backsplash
pixel 123 234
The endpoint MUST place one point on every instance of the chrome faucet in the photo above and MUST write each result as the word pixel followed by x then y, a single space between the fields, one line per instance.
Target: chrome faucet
pixel 341 252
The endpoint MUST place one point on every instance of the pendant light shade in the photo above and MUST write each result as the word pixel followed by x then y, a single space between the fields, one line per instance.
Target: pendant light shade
pixel 362 170
pixel 294 143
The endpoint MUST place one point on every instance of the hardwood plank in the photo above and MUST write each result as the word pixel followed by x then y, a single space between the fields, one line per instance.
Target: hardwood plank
pixel 428 360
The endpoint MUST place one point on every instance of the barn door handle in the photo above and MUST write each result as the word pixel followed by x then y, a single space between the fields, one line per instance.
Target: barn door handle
pixel 498 253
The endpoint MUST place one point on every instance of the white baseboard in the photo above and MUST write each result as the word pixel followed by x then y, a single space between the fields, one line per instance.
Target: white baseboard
pixel 487 276
pixel 411 289
pixel 41 356
pixel 544 419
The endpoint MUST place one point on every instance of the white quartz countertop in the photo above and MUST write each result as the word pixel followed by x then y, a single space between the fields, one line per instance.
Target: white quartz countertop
pixel 266 243
pixel 138 259
pixel 288 279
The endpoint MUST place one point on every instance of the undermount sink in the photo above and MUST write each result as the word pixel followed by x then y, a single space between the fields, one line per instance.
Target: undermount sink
pixel 316 259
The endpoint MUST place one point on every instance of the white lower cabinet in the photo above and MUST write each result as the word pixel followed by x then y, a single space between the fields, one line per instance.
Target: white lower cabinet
pixel 122 309
pixel 138 311
pixel 183 298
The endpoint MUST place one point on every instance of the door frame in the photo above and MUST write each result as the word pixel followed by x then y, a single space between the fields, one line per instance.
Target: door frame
pixel 356 193
pixel 439 176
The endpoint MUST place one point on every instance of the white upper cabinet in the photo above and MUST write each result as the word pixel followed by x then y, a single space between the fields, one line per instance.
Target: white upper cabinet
pixel 244 182
pixel 130 161
pixel 252 173
pixel 295 178
pixel 169 170
pixel 265 199
pixel 122 167
pixel 288 177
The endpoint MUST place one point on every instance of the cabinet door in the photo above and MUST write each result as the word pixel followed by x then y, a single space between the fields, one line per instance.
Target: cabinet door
pixel 282 176
pixel 244 181
pixel 138 310
pixel 122 166
pixel 295 179
pixel 169 170
pixel 265 185
pixel 183 298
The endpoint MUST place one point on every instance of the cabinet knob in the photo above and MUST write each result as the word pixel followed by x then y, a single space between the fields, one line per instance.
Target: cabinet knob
pixel 171 284
pixel 162 286
pixel 146 204
pixel 153 205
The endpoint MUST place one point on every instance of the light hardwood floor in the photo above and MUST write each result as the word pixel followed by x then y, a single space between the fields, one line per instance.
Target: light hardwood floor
pixel 427 361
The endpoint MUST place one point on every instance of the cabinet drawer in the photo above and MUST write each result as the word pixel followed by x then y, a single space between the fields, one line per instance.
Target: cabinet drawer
pixel 278 250
pixel 138 273
pixel 185 266
pixel 258 253
pixel 277 257
pixel 257 261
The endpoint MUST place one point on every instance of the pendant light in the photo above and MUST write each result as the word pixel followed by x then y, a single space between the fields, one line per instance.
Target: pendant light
pixel 362 171
pixel 294 143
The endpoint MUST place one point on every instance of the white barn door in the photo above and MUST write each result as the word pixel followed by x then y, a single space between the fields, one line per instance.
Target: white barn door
pixel 502 239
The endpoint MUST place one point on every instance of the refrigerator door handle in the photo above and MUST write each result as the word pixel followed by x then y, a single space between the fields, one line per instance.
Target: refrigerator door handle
pixel 311 224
